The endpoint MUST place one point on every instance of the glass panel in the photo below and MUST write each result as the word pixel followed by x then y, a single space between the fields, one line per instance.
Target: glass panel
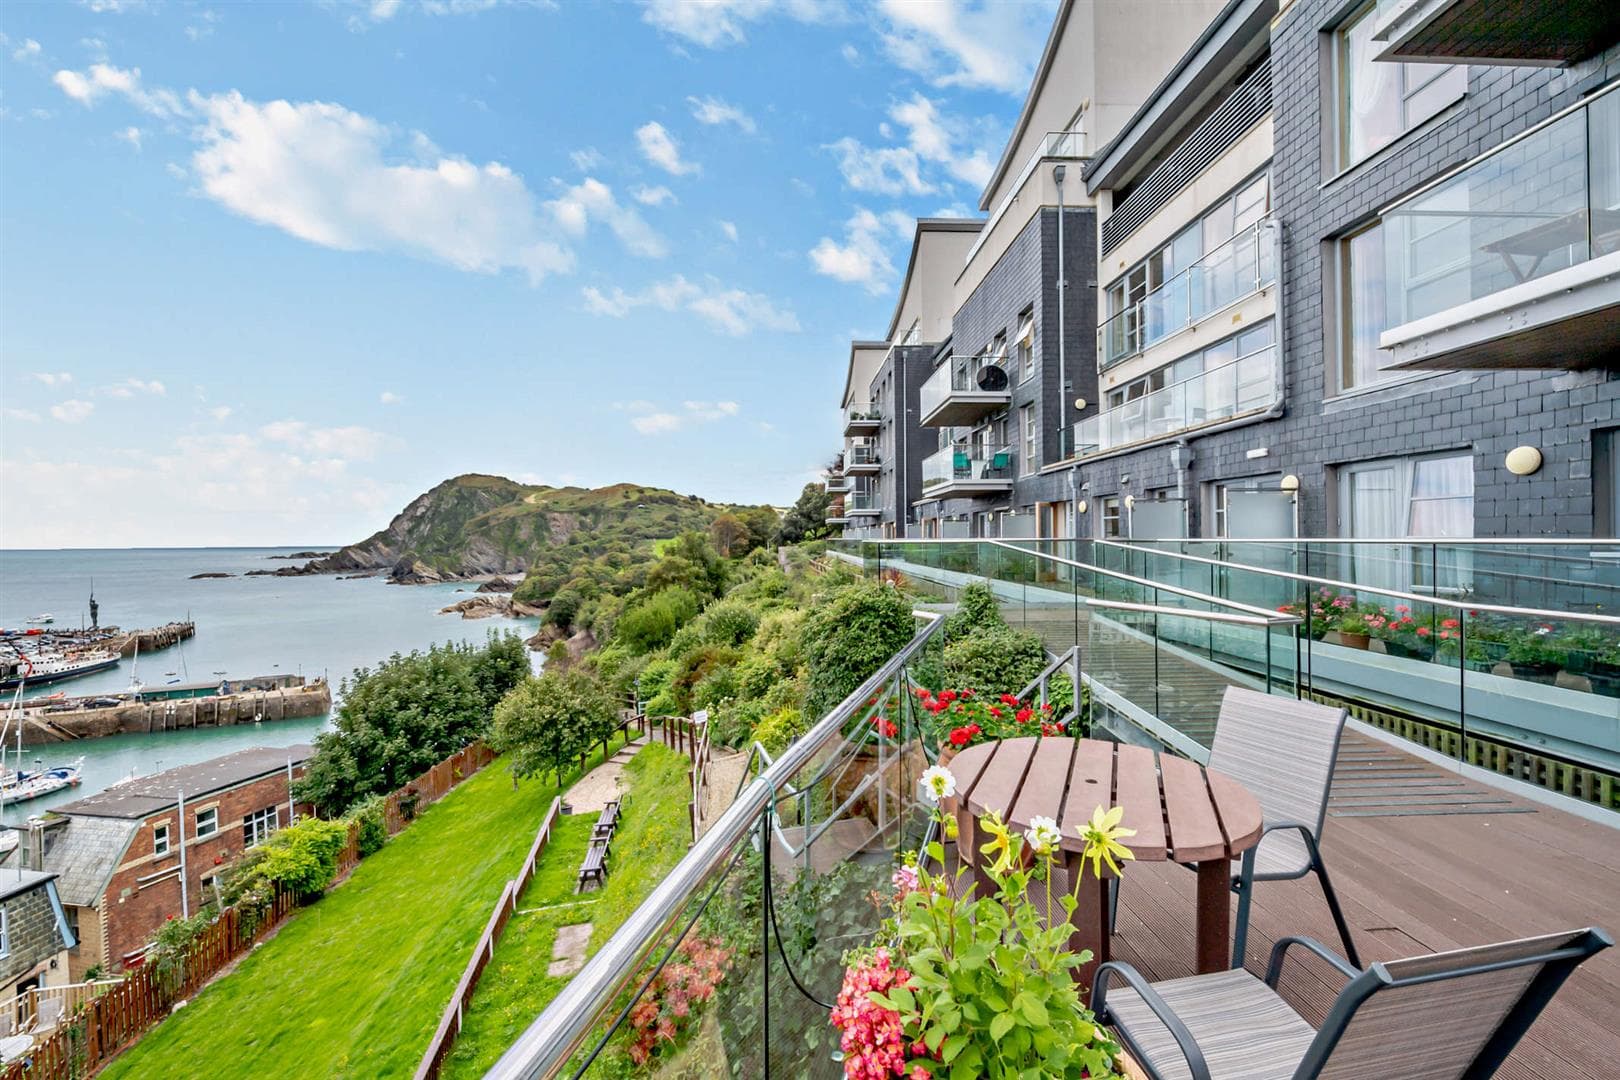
pixel 1603 124
pixel 1362 310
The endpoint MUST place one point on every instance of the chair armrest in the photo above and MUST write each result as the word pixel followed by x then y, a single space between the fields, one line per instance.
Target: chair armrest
pixel 1167 1016
pixel 1279 952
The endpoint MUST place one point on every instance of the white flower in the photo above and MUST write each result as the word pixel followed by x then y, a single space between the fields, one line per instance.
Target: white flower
pixel 938 783
pixel 1043 835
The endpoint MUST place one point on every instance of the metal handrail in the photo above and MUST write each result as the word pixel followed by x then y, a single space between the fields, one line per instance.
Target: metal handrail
pixel 1348 586
pixel 1483 541
pixel 1207 616
pixel 553 1037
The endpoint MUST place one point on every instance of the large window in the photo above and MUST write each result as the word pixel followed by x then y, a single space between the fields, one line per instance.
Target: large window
pixel 1026 420
pixel 1398 499
pixel 1378 100
pixel 1362 308
pixel 207 822
pixel 258 826
pixel 1024 346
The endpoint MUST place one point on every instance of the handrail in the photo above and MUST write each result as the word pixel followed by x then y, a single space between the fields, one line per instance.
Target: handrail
pixel 1420 598
pixel 1462 541
pixel 551 1039
pixel 1207 616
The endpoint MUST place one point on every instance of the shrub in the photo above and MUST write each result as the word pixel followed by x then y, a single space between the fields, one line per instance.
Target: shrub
pixel 778 729
pixel 849 638
pixel 718 685
pixel 730 622
pixel 548 722
pixel 704 662
pixel 172 943
pixel 371 831
pixel 303 857
pixel 732 722
pixel 976 609
pixel 994 661
pixel 650 624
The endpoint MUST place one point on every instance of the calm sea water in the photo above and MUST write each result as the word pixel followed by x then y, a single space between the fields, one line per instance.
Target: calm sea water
pixel 245 626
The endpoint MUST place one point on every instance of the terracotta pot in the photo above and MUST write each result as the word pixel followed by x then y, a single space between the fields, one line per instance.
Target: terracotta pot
pixel 1354 641
pixel 946 753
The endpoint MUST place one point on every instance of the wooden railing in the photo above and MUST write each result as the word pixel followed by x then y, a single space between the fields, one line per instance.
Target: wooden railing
pixel 68 997
pixel 100 1025
pixel 689 736
pixel 484 951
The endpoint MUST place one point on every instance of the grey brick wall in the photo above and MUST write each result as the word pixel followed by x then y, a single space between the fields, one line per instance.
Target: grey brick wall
pixel 903 442
pixel 33 933
pixel 1485 414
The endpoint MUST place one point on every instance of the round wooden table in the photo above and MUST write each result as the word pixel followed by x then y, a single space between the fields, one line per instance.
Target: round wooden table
pixel 1180 812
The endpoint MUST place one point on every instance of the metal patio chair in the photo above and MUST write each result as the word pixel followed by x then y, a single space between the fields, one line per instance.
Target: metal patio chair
pixel 1446 1016
pixel 1283 751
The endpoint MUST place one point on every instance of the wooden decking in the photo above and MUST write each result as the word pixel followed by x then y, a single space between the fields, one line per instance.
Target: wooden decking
pixel 1423 860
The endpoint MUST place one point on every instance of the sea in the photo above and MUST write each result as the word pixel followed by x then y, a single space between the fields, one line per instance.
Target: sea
pixel 246 626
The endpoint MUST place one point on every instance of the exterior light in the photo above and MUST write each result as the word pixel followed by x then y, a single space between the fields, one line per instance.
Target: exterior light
pixel 1130 501
pixel 1523 460
pixel 1079 403
pixel 1289 483
pixel 1080 507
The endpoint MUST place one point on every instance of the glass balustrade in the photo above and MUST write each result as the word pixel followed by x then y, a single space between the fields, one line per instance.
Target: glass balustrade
pixel 1541 203
pixel 970 467
pixel 1242 266
pixel 963 388
pixel 860 457
pixel 862 416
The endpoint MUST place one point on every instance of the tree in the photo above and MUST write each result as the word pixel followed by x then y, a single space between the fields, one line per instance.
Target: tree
pixel 845 641
pixel 807 520
pixel 732 537
pixel 762 523
pixel 545 723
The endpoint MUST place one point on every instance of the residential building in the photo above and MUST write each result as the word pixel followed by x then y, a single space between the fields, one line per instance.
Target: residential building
pixel 1390 309
pixel 149 849
pixel 34 935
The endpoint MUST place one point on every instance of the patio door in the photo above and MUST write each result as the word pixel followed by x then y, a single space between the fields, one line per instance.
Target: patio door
pixel 1401 499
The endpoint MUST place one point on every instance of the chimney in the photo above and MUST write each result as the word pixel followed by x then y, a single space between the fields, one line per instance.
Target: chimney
pixel 34 849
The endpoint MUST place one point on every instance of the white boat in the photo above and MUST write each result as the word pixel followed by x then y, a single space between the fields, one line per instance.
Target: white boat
pixel 43 619
pixel 52 667
pixel 31 785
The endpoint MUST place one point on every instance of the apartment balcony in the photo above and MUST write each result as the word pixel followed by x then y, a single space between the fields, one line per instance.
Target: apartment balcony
pixel 862 504
pixel 1240 268
pixel 838 483
pixel 1513 261
pixel 837 511
pixel 1249 386
pixel 962 471
pixel 861 461
pixel 862 419
pixel 1490 32
pixel 965 389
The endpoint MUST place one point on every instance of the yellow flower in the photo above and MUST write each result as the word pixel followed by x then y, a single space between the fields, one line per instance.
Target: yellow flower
pixel 1000 845
pixel 1101 836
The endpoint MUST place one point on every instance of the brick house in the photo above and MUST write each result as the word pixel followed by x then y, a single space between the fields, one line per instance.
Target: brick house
pixel 34 934
pixel 147 850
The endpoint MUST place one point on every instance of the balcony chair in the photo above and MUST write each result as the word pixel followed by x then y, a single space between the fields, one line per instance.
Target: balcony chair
pixel 999 463
pixel 1452 1014
pixel 50 1013
pixel 1283 751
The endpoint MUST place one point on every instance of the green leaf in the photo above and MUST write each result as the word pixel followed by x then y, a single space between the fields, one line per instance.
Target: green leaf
pixel 1031 1008
pixel 1000 1024
pixel 903 1001
pixel 952 1047
pixel 877 998
pixel 936 851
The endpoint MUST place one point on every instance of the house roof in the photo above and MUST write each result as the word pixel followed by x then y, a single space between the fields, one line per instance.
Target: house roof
pixel 81 853
pixel 146 795
pixel 15 881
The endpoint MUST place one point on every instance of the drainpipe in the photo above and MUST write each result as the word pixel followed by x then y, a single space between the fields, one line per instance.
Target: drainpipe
pixel 1181 457
pixel 185 904
pixel 1063 302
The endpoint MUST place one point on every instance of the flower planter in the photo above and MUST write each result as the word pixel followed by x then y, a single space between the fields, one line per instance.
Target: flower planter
pixel 1544 672
pixel 1605 679
pixel 1354 641
pixel 1409 652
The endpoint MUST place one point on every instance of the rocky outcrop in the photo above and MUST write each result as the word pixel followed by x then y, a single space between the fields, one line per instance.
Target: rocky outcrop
pixel 301 555
pixel 487 604
pixel 210 574
pixel 498 585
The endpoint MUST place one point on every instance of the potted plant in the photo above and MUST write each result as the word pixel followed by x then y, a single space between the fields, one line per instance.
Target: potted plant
pixel 959 984
pixel 1604 673
pixel 963 719
pixel 1354 631
pixel 1408 637
pixel 1534 655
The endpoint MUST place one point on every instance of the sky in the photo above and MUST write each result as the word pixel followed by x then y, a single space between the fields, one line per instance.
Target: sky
pixel 268 272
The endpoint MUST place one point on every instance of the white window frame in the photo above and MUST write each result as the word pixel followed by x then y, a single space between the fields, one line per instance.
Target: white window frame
pixel 1402 577
pixel 203 831
pixel 160 832
pixel 1026 421
pixel 253 831
pixel 5 931
pixel 1024 346
pixel 1344 156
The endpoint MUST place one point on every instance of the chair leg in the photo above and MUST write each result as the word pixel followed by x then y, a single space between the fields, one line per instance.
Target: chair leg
pixel 1245 891
pixel 1113 906
pixel 1333 906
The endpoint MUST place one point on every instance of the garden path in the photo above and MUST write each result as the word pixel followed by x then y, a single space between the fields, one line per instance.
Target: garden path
pixel 593 791
pixel 726 771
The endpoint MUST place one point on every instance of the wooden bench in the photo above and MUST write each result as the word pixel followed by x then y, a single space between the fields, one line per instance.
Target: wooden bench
pixel 602 833
pixel 609 815
pixel 594 868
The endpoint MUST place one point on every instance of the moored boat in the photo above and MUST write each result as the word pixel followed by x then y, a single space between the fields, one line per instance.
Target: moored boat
pixel 53 667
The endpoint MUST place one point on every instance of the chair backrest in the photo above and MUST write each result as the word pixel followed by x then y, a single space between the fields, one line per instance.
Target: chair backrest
pixel 1447 1016
pixel 1281 749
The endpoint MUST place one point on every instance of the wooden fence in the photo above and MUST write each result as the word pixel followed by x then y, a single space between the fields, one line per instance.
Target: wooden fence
pixel 103 1024
pixel 689 736
pixel 484 951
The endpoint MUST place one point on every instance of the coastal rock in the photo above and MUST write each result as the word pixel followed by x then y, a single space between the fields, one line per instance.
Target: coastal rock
pixel 210 574
pixel 497 585
pixel 409 571
pixel 479 607
pixel 302 555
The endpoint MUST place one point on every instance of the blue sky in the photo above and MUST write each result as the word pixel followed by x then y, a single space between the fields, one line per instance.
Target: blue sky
pixel 267 272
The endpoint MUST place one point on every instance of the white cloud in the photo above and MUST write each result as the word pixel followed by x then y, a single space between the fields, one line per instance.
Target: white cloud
pixel 730 229
pixel 53 378
pixel 334 177
pixel 587 159
pixel 113 7
pixel 592 198
pixel 651 419
pixel 25 415
pixel 660 147
pixel 220 412
pixel 985 44
pixel 717 23
pixel 653 196
pixel 935 137
pixel 73 410
pixel 888 170
pixel 131 135
pixel 863 258
pixel 347 443
pixel 713 111
pixel 28 50
pixel 175 170
pixel 383 10
pixel 850 53
pixel 388 397
pixel 89 87
pixel 131 387
pixel 730 311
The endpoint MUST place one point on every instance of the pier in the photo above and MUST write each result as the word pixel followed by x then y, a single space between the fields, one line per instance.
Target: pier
pixel 158 637
pixel 175 708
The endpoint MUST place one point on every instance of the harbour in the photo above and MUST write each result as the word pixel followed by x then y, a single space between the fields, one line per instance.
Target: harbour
pixel 172 708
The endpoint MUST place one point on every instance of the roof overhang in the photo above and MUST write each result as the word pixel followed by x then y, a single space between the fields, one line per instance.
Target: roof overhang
pixel 1550 32
pixel 1232 40
pixel 1566 320
pixel 849 370
pixel 925 225
pixel 1036 88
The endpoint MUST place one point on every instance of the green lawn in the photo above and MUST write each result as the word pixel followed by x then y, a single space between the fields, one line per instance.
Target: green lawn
pixel 354 985
pixel 515 986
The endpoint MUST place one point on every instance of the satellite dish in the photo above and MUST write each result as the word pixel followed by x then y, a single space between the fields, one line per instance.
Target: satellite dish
pixel 992 378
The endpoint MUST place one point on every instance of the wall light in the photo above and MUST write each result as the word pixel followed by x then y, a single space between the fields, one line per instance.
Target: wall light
pixel 1080 507
pixel 1523 460
pixel 1289 483
pixel 1130 501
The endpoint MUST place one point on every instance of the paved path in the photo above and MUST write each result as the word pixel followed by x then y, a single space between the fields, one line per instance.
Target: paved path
pixel 726 770
pixel 603 784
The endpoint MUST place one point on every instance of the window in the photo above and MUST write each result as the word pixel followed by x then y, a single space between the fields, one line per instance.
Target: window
pixel 1220 494
pixel 1378 101
pixel 5 932
pixel 1109 520
pixel 160 839
pixel 1024 346
pixel 1026 419
pixel 1400 498
pixel 207 822
pixel 1362 308
pixel 258 826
